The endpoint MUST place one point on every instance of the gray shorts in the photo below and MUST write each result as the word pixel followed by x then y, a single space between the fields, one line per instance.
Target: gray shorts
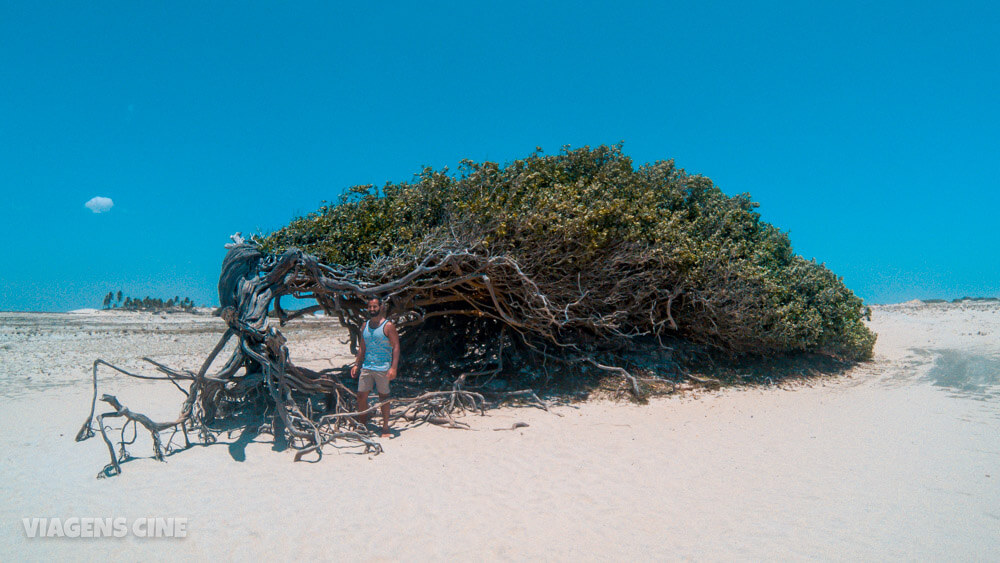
pixel 370 377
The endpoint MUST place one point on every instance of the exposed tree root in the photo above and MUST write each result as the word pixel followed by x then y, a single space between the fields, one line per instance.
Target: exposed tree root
pixel 305 429
pixel 466 318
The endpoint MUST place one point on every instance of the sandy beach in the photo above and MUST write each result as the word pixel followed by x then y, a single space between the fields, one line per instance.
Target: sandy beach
pixel 899 460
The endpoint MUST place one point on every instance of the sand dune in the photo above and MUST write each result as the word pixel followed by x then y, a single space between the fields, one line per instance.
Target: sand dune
pixel 900 459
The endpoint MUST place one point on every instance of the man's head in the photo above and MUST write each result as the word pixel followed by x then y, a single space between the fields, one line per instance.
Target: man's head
pixel 375 306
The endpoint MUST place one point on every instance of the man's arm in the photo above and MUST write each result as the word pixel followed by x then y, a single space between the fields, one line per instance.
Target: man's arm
pixel 359 360
pixel 393 336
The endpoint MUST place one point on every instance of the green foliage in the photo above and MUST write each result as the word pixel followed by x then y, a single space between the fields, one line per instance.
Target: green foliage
pixel 566 217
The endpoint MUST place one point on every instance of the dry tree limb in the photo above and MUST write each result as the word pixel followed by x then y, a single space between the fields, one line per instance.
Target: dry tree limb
pixel 708 381
pixel 514 426
pixel 544 405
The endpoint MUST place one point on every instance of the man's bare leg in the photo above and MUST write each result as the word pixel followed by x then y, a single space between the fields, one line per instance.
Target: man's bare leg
pixel 362 406
pixel 386 407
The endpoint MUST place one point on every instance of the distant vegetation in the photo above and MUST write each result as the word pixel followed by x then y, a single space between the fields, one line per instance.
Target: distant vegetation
pixel 117 300
pixel 962 299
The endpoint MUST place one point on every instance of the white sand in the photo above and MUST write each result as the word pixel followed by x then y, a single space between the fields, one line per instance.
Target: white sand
pixel 899 460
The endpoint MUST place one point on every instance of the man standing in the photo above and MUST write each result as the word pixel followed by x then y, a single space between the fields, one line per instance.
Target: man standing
pixel 377 361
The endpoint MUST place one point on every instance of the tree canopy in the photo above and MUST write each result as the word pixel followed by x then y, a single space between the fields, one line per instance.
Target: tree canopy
pixel 619 251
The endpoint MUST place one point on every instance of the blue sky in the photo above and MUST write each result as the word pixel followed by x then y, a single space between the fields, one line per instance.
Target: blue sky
pixel 868 131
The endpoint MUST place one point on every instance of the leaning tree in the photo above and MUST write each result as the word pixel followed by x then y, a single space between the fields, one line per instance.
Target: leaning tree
pixel 546 271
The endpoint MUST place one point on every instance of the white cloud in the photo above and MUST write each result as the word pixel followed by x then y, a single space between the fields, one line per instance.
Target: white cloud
pixel 99 204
